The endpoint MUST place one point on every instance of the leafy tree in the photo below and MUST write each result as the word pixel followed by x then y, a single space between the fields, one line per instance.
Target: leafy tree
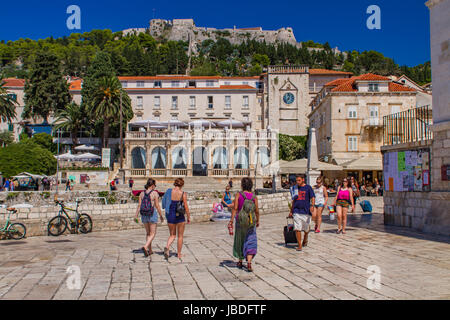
pixel 7 104
pixel 26 156
pixel 71 119
pixel 6 137
pixel 101 67
pixel 46 91
pixel 291 148
pixel 46 141
pixel 260 59
pixel 205 69
pixel 106 103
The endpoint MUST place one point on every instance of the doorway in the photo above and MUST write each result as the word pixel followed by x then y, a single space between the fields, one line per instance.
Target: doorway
pixel 199 163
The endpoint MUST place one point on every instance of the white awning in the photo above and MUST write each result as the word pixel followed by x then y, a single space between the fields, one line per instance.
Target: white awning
pixel 364 163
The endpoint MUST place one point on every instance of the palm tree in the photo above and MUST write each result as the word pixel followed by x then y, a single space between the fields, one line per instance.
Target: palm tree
pixel 106 104
pixel 71 119
pixel 7 104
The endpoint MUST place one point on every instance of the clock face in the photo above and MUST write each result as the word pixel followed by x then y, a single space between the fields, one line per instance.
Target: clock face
pixel 288 98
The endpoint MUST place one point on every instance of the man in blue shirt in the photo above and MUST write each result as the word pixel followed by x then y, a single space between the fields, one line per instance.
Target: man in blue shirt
pixel 301 210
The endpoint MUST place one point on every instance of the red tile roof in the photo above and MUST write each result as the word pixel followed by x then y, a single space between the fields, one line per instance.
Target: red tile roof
pixel 371 76
pixel 395 87
pixel 12 82
pixel 326 72
pixel 336 82
pixel 348 85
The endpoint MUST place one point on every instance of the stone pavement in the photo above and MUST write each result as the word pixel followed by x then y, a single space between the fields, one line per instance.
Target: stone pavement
pixel 412 265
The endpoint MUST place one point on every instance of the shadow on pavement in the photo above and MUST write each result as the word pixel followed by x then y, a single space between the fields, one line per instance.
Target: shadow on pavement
pixel 375 221
pixel 11 243
pixel 58 241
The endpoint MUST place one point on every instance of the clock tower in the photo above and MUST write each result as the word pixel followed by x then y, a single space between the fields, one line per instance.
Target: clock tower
pixel 287 90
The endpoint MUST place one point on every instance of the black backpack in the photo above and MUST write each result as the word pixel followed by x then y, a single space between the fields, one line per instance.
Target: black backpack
pixel 146 204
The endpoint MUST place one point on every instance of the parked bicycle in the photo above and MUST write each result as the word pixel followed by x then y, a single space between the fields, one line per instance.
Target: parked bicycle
pixel 14 231
pixel 58 225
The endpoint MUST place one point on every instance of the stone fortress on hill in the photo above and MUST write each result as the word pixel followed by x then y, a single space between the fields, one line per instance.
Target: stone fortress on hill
pixel 185 30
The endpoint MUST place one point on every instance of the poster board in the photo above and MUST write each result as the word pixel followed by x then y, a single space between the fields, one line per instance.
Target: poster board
pixel 407 170
pixel 106 157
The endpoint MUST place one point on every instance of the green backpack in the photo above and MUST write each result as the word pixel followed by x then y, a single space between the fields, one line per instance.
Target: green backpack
pixel 247 216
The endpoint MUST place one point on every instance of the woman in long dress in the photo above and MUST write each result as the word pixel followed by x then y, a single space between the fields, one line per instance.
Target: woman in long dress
pixel 245 240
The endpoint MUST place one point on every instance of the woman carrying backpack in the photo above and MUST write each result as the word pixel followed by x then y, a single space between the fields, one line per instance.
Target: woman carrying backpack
pixel 246 215
pixel 148 202
pixel 176 206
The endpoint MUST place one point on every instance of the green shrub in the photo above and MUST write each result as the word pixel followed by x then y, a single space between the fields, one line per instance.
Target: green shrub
pixel 45 195
pixel 26 156
pixel 12 195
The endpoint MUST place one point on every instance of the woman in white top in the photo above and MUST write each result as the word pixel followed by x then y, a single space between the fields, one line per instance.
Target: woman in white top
pixel 321 200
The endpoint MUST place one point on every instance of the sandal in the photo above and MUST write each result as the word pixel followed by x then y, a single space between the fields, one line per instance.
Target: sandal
pixel 339 231
pixel 249 267
pixel 343 232
pixel 145 252
pixel 298 249
pixel 240 265
pixel 166 253
pixel 305 244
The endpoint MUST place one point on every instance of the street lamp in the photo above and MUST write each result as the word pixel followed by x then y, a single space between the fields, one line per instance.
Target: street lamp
pixel 58 133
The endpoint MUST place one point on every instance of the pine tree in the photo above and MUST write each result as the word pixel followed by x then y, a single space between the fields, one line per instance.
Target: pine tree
pixel 46 91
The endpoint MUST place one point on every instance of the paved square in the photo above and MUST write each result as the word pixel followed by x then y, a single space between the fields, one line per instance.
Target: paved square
pixel 413 265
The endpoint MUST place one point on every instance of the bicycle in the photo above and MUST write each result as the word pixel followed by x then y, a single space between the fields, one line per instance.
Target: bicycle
pixel 16 230
pixel 58 225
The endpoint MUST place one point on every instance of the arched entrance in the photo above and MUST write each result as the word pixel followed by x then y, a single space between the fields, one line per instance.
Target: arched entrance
pixel 179 159
pixel 159 158
pixel 220 158
pixel 241 158
pixel 262 156
pixel 138 156
pixel 199 162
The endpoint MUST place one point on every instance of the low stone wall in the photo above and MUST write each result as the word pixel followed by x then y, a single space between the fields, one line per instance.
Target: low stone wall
pixel 121 216
pixel 423 211
pixel 45 198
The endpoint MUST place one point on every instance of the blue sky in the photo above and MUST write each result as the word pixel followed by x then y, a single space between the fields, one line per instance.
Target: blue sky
pixel 404 34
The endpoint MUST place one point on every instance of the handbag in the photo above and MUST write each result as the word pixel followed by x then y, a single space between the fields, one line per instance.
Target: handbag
pixel 180 210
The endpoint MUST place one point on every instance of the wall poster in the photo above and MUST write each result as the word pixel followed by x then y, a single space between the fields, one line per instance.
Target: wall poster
pixel 407 170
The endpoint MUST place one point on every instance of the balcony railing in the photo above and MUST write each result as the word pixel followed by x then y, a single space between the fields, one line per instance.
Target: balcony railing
pixel 179 172
pixel 241 172
pixel 158 172
pixel 220 172
pixel 289 69
pixel 138 172
pixel 408 126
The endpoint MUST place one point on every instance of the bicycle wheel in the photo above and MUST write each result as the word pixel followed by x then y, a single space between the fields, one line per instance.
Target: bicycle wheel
pixel 17 231
pixel 57 225
pixel 84 223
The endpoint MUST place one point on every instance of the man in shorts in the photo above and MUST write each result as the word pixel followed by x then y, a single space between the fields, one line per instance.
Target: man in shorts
pixel 301 210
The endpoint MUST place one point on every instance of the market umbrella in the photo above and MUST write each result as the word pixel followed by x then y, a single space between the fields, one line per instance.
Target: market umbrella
pixel 87 156
pixel 231 123
pixel 84 147
pixel 177 123
pixel 201 123
pixel 66 156
pixel 144 123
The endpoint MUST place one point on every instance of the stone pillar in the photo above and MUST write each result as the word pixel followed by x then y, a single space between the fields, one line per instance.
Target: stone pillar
pixel 313 161
pixel 169 160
